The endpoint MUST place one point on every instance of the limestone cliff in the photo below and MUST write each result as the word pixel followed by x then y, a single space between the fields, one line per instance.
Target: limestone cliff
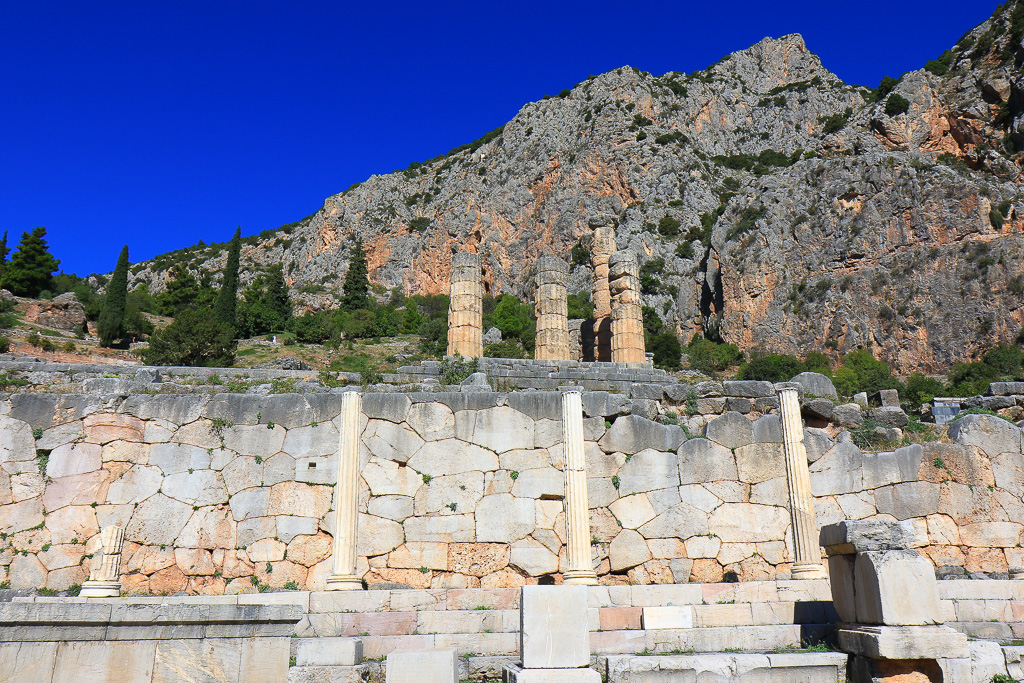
pixel 790 210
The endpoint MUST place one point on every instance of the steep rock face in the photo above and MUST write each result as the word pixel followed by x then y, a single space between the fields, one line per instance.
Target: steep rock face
pixel 787 209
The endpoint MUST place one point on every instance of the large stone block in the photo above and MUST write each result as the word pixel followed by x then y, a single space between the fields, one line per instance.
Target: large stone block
pixel 669 616
pixel 991 434
pixel 452 456
pixel 502 518
pixel 909 499
pixel 631 434
pixel 702 460
pixel 731 430
pixel 431 666
pixel 648 470
pixel 748 388
pixel 903 642
pixel 816 384
pixel 856 536
pixel 627 550
pixel 553 627
pixel 498 429
pixel 895 588
pixel 389 406
pixel 328 651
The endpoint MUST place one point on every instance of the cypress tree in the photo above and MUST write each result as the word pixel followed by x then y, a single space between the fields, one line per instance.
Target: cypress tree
pixel 227 298
pixel 31 268
pixel 277 297
pixel 111 323
pixel 3 255
pixel 357 282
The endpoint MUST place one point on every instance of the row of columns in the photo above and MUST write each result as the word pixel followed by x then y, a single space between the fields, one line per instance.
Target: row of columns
pixel 580 568
pixel 104 580
pixel 618 317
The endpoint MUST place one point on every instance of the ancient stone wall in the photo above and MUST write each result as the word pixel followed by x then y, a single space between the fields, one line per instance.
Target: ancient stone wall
pixel 230 492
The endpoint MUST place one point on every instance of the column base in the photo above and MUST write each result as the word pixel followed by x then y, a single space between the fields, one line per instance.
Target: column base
pixel 344 583
pixel 580 577
pixel 808 571
pixel 100 589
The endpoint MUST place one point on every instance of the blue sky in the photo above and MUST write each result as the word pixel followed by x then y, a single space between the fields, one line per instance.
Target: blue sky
pixel 160 124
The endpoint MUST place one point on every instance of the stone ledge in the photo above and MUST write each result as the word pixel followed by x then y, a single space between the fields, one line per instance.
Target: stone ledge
pixel 902 642
pixel 39 622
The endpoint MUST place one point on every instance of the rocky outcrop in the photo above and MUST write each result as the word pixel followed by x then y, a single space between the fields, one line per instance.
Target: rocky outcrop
pixel 769 201
pixel 64 312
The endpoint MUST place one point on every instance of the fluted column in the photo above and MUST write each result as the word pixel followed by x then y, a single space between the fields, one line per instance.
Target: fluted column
pixel 577 508
pixel 105 574
pixel 552 309
pixel 801 502
pixel 601 250
pixel 465 307
pixel 627 327
pixel 346 498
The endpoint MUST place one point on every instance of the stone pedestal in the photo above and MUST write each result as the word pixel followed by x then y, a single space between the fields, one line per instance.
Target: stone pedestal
pixel 465 307
pixel 801 502
pixel 552 309
pixel 346 496
pixel 601 251
pixel 577 509
pixel 554 639
pixel 627 314
pixel 887 595
pixel 105 576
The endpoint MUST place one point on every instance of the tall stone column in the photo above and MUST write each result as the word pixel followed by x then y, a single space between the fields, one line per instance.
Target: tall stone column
pixel 801 502
pixel 105 575
pixel 466 308
pixel 627 315
pixel 577 508
pixel 552 309
pixel 346 498
pixel 601 250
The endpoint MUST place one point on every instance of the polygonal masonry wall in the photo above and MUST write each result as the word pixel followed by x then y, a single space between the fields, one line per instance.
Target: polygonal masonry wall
pixel 229 492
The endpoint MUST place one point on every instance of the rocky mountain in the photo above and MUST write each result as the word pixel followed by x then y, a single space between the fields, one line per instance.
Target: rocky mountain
pixel 772 204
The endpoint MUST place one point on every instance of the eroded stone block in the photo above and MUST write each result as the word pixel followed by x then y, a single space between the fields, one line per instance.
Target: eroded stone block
pixel 553 627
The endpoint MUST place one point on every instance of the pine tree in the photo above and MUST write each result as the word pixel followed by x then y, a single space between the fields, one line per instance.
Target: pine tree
pixel 227 299
pixel 195 337
pixel 31 268
pixel 357 284
pixel 111 323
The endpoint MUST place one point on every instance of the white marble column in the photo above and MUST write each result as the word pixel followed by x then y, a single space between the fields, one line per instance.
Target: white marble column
pixel 801 502
pixel 346 498
pixel 577 509
pixel 105 574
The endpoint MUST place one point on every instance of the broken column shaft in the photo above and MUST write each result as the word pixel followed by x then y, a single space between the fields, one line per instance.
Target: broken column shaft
pixel 465 308
pixel 346 496
pixel 552 310
pixel 801 502
pixel 627 342
pixel 601 250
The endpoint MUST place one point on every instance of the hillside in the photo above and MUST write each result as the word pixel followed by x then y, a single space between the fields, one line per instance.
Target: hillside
pixel 772 204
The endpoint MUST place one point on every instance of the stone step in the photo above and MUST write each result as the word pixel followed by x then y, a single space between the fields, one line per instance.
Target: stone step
pixel 820 667
pixel 708 639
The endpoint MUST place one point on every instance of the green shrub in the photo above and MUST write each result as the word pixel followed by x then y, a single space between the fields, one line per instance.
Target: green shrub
pixel 921 389
pixel 649 282
pixel 419 224
pixel 1006 359
pixel 861 371
pixel 710 357
pixel 995 218
pixel 887 85
pixel 506 348
pixel 816 361
pixel 313 328
pixel 971 379
pixel 5 344
pixel 579 306
pixel 896 105
pixel 668 226
pixel 940 66
pixel 684 250
pixel 773 367
pixel 666 349
pixel 456 369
